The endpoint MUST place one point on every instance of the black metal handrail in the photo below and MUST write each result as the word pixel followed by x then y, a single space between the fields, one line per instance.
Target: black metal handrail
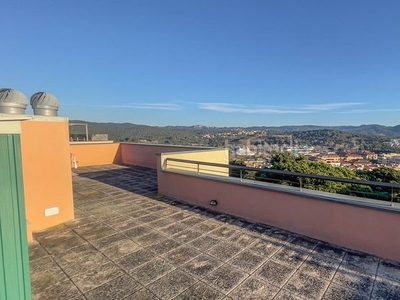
pixel 197 170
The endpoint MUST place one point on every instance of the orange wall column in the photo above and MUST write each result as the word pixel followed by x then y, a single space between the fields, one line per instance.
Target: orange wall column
pixel 47 173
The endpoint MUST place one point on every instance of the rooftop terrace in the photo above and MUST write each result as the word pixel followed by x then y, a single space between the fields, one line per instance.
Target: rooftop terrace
pixel 128 242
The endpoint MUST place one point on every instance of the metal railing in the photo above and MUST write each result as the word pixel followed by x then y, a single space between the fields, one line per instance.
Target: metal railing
pixel 388 191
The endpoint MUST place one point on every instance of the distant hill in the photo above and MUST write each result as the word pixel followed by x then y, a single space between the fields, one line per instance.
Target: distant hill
pixel 129 132
pixel 192 135
pixel 372 129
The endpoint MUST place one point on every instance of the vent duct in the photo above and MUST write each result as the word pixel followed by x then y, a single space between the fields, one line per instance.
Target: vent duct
pixel 12 102
pixel 44 104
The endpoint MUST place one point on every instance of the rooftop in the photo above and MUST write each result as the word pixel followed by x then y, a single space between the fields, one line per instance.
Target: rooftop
pixel 128 242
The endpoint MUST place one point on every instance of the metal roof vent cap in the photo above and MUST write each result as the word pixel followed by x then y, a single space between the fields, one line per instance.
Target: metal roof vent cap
pixel 12 102
pixel 44 104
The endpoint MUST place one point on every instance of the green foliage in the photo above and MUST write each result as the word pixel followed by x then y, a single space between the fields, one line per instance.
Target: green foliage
pixel 236 172
pixel 300 164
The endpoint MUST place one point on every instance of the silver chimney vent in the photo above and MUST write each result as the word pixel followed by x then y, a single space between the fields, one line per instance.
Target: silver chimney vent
pixel 44 104
pixel 12 102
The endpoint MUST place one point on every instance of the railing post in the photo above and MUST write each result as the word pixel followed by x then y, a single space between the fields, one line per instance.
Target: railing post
pixel 241 175
pixel 198 168
pixel 391 202
pixel 301 183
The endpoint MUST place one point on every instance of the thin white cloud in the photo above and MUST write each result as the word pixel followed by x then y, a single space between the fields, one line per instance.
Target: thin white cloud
pixel 149 106
pixel 257 109
pixel 331 106
pixel 364 111
pixel 236 108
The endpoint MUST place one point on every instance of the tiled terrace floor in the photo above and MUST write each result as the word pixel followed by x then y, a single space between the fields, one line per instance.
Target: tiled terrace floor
pixel 129 243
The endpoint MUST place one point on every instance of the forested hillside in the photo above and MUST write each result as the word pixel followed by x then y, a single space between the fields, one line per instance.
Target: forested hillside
pixel 219 136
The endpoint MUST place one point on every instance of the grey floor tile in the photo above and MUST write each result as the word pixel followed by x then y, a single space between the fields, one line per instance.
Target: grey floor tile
pixel 164 246
pixel 96 277
pixel 206 226
pixel 120 249
pixel 320 266
pixel 338 292
pixel 142 294
pixel 247 261
pixel 386 289
pixel 224 250
pixel 108 241
pixel 151 271
pixel 204 242
pixel 160 223
pixel 187 235
pixel 134 259
pixel 389 269
pixel 224 232
pixel 174 228
pixel 191 221
pixel 201 265
pixel 149 239
pixel 118 288
pixel 83 264
pixel 225 278
pixel 138 214
pixel 290 256
pixel 149 218
pixel 137 231
pixel 171 285
pixel 265 247
pixel 61 246
pixel 354 279
pixel 59 291
pixel 302 242
pixel 363 261
pixel 243 240
pixel 181 255
pixel 124 224
pixel 254 288
pixel 306 286
pixel 285 295
pixel 180 216
pixel 200 291
pixel 275 273
pixel 37 252
pixel 329 250
pixel 46 278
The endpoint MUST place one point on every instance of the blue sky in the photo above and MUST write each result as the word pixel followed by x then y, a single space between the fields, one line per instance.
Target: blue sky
pixel 217 63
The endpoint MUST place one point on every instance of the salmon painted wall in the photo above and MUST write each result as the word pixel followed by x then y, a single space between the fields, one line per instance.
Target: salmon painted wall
pixel 46 172
pixel 95 154
pixel 145 155
pixel 364 229
pixel 219 156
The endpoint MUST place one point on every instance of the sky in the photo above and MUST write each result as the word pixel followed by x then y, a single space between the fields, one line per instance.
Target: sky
pixel 215 63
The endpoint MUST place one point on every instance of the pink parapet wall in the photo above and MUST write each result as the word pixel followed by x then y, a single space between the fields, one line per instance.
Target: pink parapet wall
pixel 364 229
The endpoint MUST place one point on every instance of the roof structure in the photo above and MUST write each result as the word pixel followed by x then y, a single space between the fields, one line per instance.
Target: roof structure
pixel 127 242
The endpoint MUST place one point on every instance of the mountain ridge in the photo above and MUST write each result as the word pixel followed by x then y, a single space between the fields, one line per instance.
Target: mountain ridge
pixel 364 129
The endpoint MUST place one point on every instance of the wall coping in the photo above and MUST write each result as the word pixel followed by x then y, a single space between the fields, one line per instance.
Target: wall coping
pixel 166 145
pixel 194 151
pixel 91 142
